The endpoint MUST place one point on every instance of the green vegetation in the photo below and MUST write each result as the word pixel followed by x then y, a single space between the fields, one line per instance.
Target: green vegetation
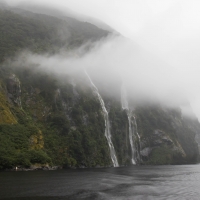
pixel 43 130
pixel 161 156
pixel 177 128
pixel 119 131
pixel 6 116
pixel 41 33
pixel 61 128
pixel 17 147
pixel 60 123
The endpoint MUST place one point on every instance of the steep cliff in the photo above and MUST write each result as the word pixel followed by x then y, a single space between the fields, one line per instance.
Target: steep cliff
pixel 47 119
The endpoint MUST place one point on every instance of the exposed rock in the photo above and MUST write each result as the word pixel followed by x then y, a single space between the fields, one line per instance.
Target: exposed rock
pixel 160 138
pixel 71 120
pixel 161 147
pixel 14 89
pixel 146 151
pixel 164 137
pixel 159 133
pixel 167 140
pixel 197 139
pixel 6 116
pixel 73 128
pixel 85 119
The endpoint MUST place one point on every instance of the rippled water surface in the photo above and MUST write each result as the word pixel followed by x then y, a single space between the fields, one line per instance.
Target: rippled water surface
pixel 138 182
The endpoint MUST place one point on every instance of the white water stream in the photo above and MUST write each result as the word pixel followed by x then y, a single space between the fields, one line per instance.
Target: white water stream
pixel 107 124
pixel 132 130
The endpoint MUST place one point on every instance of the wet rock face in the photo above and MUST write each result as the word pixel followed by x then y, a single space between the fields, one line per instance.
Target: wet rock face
pixel 158 139
pixel 161 145
pixel 14 89
pixel 161 138
pixel 145 152
pixel 197 139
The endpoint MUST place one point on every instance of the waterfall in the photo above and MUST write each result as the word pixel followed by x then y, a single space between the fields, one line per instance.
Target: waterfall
pixel 139 141
pixel 130 130
pixel 132 127
pixel 19 98
pixel 107 124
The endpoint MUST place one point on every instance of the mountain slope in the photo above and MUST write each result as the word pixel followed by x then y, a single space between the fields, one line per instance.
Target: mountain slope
pixel 48 119
pixel 64 14
pixel 42 33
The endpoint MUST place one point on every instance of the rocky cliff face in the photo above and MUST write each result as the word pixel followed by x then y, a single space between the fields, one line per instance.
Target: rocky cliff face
pixel 162 149
pixel 164 134
pixel 14 89
pixel 66 127
pixel 51 120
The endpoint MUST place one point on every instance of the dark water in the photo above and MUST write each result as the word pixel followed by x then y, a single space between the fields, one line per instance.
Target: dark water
pixel 139 182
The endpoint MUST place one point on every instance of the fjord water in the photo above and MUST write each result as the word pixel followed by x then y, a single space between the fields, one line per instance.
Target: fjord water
pixel 123 183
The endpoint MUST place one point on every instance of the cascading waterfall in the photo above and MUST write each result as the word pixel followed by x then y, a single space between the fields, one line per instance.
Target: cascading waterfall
pixel 16 90
pixel 126 108
pixel 132 130
pixel 19 98
pixel 57 94
pixel 63 103
pixel 131 136
pixel 139 141
pixel 107 124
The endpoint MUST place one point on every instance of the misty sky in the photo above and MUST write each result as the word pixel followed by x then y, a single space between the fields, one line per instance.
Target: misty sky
pixel 168 29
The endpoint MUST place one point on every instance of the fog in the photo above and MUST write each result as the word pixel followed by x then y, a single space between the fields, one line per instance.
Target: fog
pixel 159 61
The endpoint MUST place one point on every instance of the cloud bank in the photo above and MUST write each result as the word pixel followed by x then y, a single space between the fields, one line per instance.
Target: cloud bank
pixel 117 60
pixel 162 62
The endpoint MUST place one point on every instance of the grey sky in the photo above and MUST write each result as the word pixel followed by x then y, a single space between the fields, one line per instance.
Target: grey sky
pixel 168 29
pixel 180 18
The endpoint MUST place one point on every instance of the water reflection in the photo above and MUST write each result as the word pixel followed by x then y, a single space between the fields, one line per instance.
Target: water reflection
pixel 137 182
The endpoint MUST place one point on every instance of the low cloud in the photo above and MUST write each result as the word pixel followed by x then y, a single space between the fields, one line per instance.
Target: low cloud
pixel 163 66
pixel 117 60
